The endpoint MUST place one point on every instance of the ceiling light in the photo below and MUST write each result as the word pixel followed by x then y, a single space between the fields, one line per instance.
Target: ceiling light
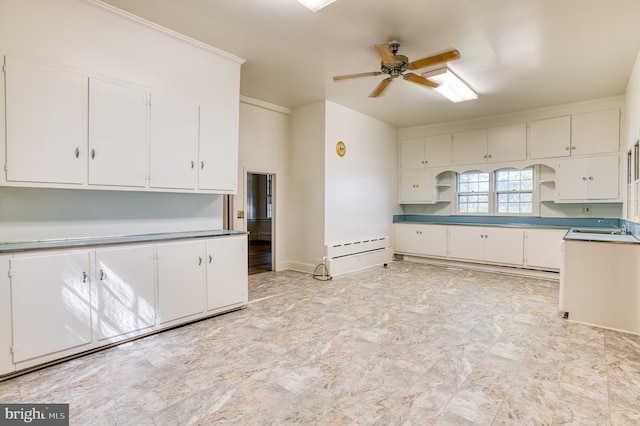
pixel 451 86
pixel 315 5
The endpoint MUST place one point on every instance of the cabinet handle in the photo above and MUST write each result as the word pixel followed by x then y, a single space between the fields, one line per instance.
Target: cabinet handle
pixel 590 177
pixel 573 147
pixel 486 236
pixel 77 152
pixel 481 236
pixel 567 148
pixel 485 156
pixel 192 164
pixel 489 155
pixel 201 165
pixel 85 277
pixel 102 275
pixel 93 154
pixel 199 260
pixel 210 258
pixel 584 178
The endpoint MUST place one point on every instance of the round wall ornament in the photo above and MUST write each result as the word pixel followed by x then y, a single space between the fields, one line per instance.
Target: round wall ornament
pixel 341 148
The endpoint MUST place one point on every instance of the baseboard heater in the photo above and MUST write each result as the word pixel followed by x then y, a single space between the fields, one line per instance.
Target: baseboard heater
pixel 355 255
pixel 336 251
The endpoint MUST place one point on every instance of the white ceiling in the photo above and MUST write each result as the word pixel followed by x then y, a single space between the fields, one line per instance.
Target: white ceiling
pixel 517 54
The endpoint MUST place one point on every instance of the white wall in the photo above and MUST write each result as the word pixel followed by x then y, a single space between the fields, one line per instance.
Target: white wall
pixel 632 135
pixel 307 208
pixel 361 188
pixel 264 142
pixel 97 41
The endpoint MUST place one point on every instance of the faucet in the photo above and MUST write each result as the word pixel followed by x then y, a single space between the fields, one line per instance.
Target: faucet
pixel 623 228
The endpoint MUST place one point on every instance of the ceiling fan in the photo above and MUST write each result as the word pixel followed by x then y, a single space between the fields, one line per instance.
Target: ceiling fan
pixel 395 65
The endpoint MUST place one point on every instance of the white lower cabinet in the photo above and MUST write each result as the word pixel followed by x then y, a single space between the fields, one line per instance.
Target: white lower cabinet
pixel 543 248
pixel 6 360
pixel 50 302
pixel 487 244
pixel 125 287
pixel 181 280
pixel 226 271
pixel 421 239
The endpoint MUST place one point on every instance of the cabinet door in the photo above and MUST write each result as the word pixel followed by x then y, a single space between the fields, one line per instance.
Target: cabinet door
pixel 503 245
pixel 507 143
pixel 6 361
pixel 173 138
pixel 125 285
pixel 412 153
pixel 181 280
pixel 117 135
pixel 437 150
pixel 571 179
pixel 542 248
pixel 550 138
pixel 602 180
pixel 595 132
pixel 421 239
pixel 50 302
pixel 226 271
pixel 416 186
pixel 218 149
pixel 470 147
pixel 466 242
pixel 45 124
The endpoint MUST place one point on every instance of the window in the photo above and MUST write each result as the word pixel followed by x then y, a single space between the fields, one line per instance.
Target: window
pixel 514 191
pixel 473 192
pixel 505 191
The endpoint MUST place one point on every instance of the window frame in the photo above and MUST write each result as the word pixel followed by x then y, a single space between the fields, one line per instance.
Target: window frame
pixel 497 193
pixel 493 193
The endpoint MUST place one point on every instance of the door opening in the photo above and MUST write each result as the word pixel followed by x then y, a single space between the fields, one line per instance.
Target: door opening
pixel 260 216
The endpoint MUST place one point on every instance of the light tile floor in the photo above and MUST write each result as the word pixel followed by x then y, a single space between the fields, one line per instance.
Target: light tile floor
pixel 409 344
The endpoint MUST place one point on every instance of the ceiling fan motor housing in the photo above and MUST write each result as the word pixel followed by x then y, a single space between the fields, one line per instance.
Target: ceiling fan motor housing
pixel 394 70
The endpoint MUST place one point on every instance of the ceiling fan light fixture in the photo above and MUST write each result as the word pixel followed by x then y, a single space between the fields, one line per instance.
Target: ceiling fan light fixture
pixel 315 5
pixel 451 86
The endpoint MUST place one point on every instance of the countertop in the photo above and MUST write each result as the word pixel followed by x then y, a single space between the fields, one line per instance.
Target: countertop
pixel 17 246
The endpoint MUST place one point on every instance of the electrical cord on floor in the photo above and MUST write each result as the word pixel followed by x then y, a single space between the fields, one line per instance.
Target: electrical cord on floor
pixel 325 273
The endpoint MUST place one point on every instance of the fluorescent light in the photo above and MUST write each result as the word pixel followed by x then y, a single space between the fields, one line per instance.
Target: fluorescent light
pixel 451 87
pixel 315 5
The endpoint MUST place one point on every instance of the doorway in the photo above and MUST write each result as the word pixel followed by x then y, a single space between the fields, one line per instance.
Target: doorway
pixel 260 216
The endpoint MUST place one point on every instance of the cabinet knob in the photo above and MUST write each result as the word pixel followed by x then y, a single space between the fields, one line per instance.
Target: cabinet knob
pixel 199 260
pixel 590 177
pixel 573 147
pixel 201 165
pixel 102 275
pixel 584 178
pixel 567 148
pixel 77 152
pixel 210 258
pixel 93 154
pixel 193 164
pixel 85 277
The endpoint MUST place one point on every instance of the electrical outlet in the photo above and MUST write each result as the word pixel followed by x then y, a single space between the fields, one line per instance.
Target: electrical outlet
pixel 240 214
pixel 586 209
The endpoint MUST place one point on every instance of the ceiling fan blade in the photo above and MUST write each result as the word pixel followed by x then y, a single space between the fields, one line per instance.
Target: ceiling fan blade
pixel 385 53
pixel 447 56
pixel 418 79
pixel 380 88
pixel 361 74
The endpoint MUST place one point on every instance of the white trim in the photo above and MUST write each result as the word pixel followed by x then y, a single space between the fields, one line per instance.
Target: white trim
pixel 266 105
pixel 166 31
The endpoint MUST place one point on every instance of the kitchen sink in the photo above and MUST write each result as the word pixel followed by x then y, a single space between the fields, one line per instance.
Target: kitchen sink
pixel 598 231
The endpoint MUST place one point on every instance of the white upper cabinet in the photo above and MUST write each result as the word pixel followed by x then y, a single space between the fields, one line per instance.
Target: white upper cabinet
pixel 117 135
pixel 218 149
pixel 550 138
pixel 496 144
pixel 416 186
pixel 173 142
pixel 579 134
pixel 590 178
pixel 431 151
pixel 507 143
pixel 595 132
pixel 470 147
pixel 45 124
